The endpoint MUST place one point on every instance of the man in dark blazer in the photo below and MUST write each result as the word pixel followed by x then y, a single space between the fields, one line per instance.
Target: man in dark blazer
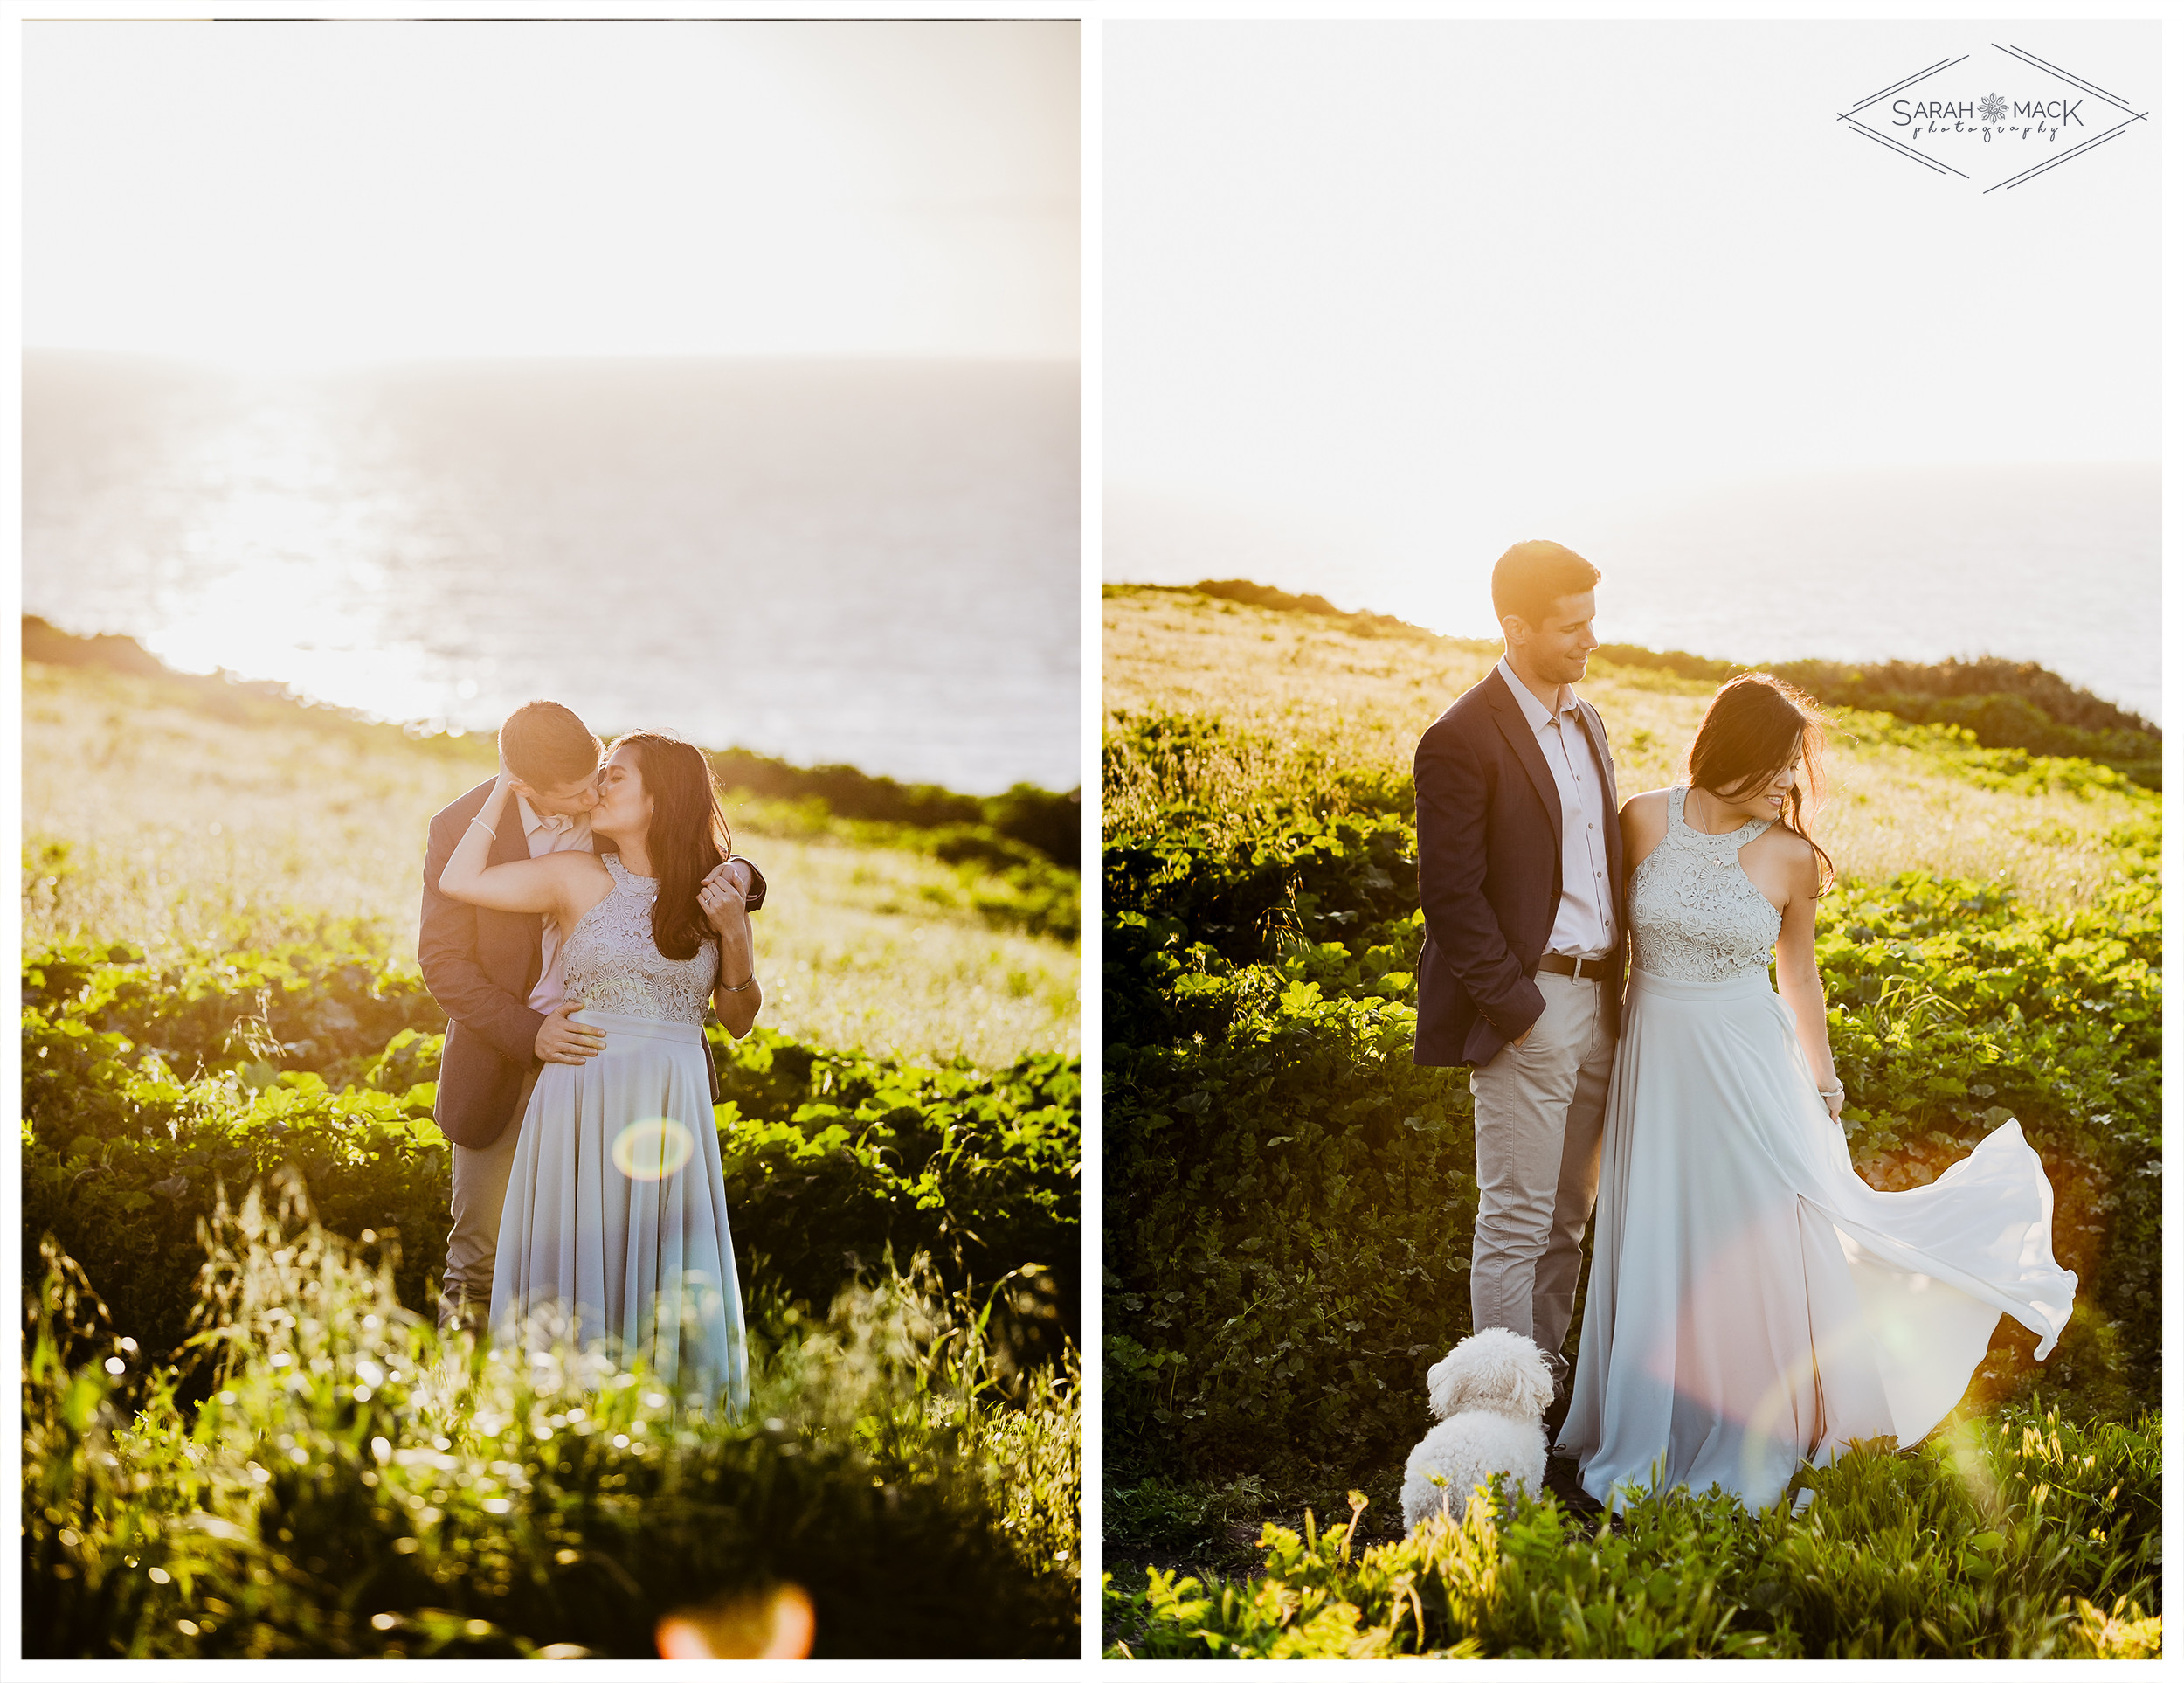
pixel 497 974
pixel 1520 871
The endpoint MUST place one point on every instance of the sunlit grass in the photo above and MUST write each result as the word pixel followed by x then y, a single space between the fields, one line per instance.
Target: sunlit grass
pixel 856 952
pixel 357 1485
pixel 184 830
pixel 1313 712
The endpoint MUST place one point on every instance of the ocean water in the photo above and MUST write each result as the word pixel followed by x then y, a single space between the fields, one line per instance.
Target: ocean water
pixel 2059 564
pixel 866 563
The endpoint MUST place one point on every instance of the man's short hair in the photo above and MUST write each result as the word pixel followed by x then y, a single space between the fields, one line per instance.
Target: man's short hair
pixel 1530 575
pixel 547 745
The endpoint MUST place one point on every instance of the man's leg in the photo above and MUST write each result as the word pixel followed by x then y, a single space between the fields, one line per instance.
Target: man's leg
pixel 1520 1101
pixel 478 1187
pixel 1555 1283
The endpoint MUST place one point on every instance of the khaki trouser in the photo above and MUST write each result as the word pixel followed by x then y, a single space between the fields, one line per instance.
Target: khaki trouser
pixel 1537 1111
pixel 478 1186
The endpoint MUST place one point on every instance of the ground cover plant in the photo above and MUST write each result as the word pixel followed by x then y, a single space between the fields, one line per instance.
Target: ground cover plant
pixel 220 1002
pixel 1288 1226
pixel 2022 1536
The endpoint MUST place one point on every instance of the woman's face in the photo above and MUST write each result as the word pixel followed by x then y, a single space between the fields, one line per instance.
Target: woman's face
pixel 624 808
pixel 1770 800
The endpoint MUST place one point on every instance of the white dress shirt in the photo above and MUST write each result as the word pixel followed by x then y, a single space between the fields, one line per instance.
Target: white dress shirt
pixel 551 833
pixel 1585 914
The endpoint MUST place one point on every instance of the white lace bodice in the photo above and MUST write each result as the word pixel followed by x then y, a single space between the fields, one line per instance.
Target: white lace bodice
pixel 1695 915
pixel 610 964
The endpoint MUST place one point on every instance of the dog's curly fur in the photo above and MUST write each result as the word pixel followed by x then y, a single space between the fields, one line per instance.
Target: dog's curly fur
pixel 1490 1392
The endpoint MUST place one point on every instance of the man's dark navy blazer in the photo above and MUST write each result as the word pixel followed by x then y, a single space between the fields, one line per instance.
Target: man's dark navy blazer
pixel 1489 873
pixel 480 966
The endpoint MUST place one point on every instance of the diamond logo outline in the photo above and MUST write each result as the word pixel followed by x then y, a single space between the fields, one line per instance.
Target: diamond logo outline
pixel 2023 56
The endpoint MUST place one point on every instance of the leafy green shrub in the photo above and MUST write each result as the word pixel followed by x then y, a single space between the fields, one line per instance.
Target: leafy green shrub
pixel 359 1487
pixel 1168 1517
pixel 1296 1203
pixel 327 1005
pixel 129 1204
pixel 2023 1536
pixel 1953 1009
pixel 831 1160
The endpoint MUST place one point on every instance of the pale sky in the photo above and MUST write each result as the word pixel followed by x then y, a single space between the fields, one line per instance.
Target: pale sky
pixel 301 195
pixel 1380 299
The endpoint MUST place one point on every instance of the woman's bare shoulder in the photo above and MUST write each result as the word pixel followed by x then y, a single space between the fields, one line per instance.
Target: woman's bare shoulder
pixel 1782 855
pixel 1648 803
pixel 1779 841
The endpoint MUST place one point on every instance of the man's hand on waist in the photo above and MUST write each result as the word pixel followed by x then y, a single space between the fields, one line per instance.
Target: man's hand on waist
pixel 561 1041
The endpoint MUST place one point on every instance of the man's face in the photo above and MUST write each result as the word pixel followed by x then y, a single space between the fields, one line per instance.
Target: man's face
pixel 1555 650
pixel 569 800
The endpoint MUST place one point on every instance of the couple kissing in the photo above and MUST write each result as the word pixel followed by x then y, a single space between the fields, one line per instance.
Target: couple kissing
pixel 583 911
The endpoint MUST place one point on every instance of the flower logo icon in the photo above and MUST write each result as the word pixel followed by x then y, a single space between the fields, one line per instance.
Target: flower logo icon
pixel 1992 109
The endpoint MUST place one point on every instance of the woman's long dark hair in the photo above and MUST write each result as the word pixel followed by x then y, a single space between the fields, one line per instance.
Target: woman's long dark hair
pixel 1755 725
pixel 688 836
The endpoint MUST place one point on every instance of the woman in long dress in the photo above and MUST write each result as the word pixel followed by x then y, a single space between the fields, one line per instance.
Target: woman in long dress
pixel 615 1230
pixel 1753 1303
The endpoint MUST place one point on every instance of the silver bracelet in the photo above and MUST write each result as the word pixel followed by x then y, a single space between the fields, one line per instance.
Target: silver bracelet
pixel 744 984
pixel 486 827
pixel 1834 1091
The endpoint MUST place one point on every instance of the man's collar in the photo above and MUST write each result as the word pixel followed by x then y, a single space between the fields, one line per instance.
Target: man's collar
pixel 535 821
pixel 1536 716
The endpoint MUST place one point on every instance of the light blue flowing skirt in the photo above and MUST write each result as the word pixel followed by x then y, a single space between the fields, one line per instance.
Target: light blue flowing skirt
pixel 1753 1303
pixel 615 1234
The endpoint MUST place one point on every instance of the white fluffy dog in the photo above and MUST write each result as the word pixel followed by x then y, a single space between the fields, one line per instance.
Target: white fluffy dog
pixel 1490 1392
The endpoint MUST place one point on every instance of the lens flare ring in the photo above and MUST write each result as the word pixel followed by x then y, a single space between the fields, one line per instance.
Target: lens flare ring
pixel 653 1149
